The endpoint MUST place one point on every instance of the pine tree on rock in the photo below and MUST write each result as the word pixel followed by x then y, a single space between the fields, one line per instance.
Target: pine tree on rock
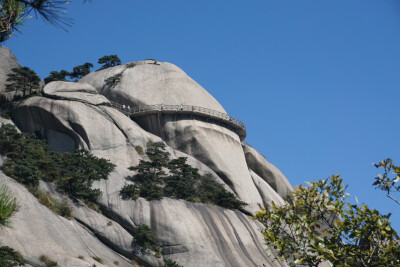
pixel 56 76
pixel 22 80
pixel 109 61
pixel 79 71
pixel 182 181
pixel 151 174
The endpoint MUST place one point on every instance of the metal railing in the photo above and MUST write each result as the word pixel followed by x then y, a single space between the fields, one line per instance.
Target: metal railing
pixel 235 123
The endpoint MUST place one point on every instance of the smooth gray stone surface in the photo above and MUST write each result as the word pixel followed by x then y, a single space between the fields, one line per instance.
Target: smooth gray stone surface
pixel 147 83
pixel 210 142
pixel 75 115
pixel 74 91
pixel 268 172
pixel 7 62
pixel 35 230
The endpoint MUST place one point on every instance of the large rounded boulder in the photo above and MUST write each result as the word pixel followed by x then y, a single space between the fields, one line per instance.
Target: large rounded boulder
pixel 212 142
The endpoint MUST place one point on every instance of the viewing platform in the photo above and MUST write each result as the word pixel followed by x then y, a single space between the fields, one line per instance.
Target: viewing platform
pixel 233 122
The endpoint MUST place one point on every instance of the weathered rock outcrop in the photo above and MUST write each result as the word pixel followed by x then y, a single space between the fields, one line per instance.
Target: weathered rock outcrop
pixel 7 62
pixel 146 83
pixel 37 231
pixel 268 172
pixel 74 115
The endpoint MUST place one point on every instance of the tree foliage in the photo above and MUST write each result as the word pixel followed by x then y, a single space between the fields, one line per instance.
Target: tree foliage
pixel 79 71
pixel 8 206
pixel 32 160
pixel 109 61
pixel 182 181
pixel 13 13
pixel 319 224
pixel 112 81
pixel 22 80
pixel 9 257
pixel 389 181
pixel 145 238
pixel 171 263
pixel 56 76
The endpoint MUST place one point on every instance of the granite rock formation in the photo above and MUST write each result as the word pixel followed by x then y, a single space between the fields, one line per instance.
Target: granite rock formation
pixel 80 115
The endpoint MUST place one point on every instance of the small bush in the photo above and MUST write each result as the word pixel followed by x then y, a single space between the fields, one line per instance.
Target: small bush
pixel 170 263
pixel 98 259
pixel 112 81
pixel 8 206
pixel 58 207
pixel 4 113
pixel 183 181
pixel 32 160
pixel 81 257
pixel 9 257
pixel 139 150
pixel 146 238
pixel 109 223
pixel 116 263
pixel 48 262
pixel 130 191
pixel 131 64
pixel 212 192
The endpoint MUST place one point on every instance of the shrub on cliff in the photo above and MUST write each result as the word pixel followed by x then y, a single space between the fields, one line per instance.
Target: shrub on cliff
pixel 182 182
pixel 32 160
pixel 23 80
pixel 9 257
pixel 109 61
pixel 56 76
pixel 8 206
pixel 146 238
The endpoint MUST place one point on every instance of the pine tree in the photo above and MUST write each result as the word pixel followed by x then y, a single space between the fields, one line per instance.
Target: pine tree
pixel 182 181
pixel 79 71
pixel 14 12
pixel 22 80
pixel 109 61
pixel 151 174
pixel 56 76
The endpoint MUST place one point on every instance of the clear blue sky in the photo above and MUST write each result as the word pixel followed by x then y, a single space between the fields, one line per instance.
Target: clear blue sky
pixel 316 82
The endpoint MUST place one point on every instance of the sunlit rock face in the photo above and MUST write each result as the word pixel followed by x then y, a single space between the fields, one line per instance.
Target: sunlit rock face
pixel 211 142
pixel 78 115
pixel 7 62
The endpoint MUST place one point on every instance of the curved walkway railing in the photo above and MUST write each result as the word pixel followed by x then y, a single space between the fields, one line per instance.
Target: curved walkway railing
pixel 239 126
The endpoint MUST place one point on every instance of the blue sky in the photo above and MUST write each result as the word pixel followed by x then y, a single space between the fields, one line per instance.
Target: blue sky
pixel 316 82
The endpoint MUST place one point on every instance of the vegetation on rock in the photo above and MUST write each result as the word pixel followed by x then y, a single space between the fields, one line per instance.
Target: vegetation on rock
pixel 146 238
pixel 56 76
pixel 112 81
pixel 98 259
pixel 32 160
pixel 82 70
pixel 22 80
pixel 79 71
pixel 170 263
pixel 8 206
pixel 9 257
pixel 183 181
pixel 109 61
pixel 318 224
pixel 48 262
pixel 59 207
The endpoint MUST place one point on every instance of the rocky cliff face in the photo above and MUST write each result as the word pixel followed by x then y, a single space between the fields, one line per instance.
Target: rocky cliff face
pixel 79 115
